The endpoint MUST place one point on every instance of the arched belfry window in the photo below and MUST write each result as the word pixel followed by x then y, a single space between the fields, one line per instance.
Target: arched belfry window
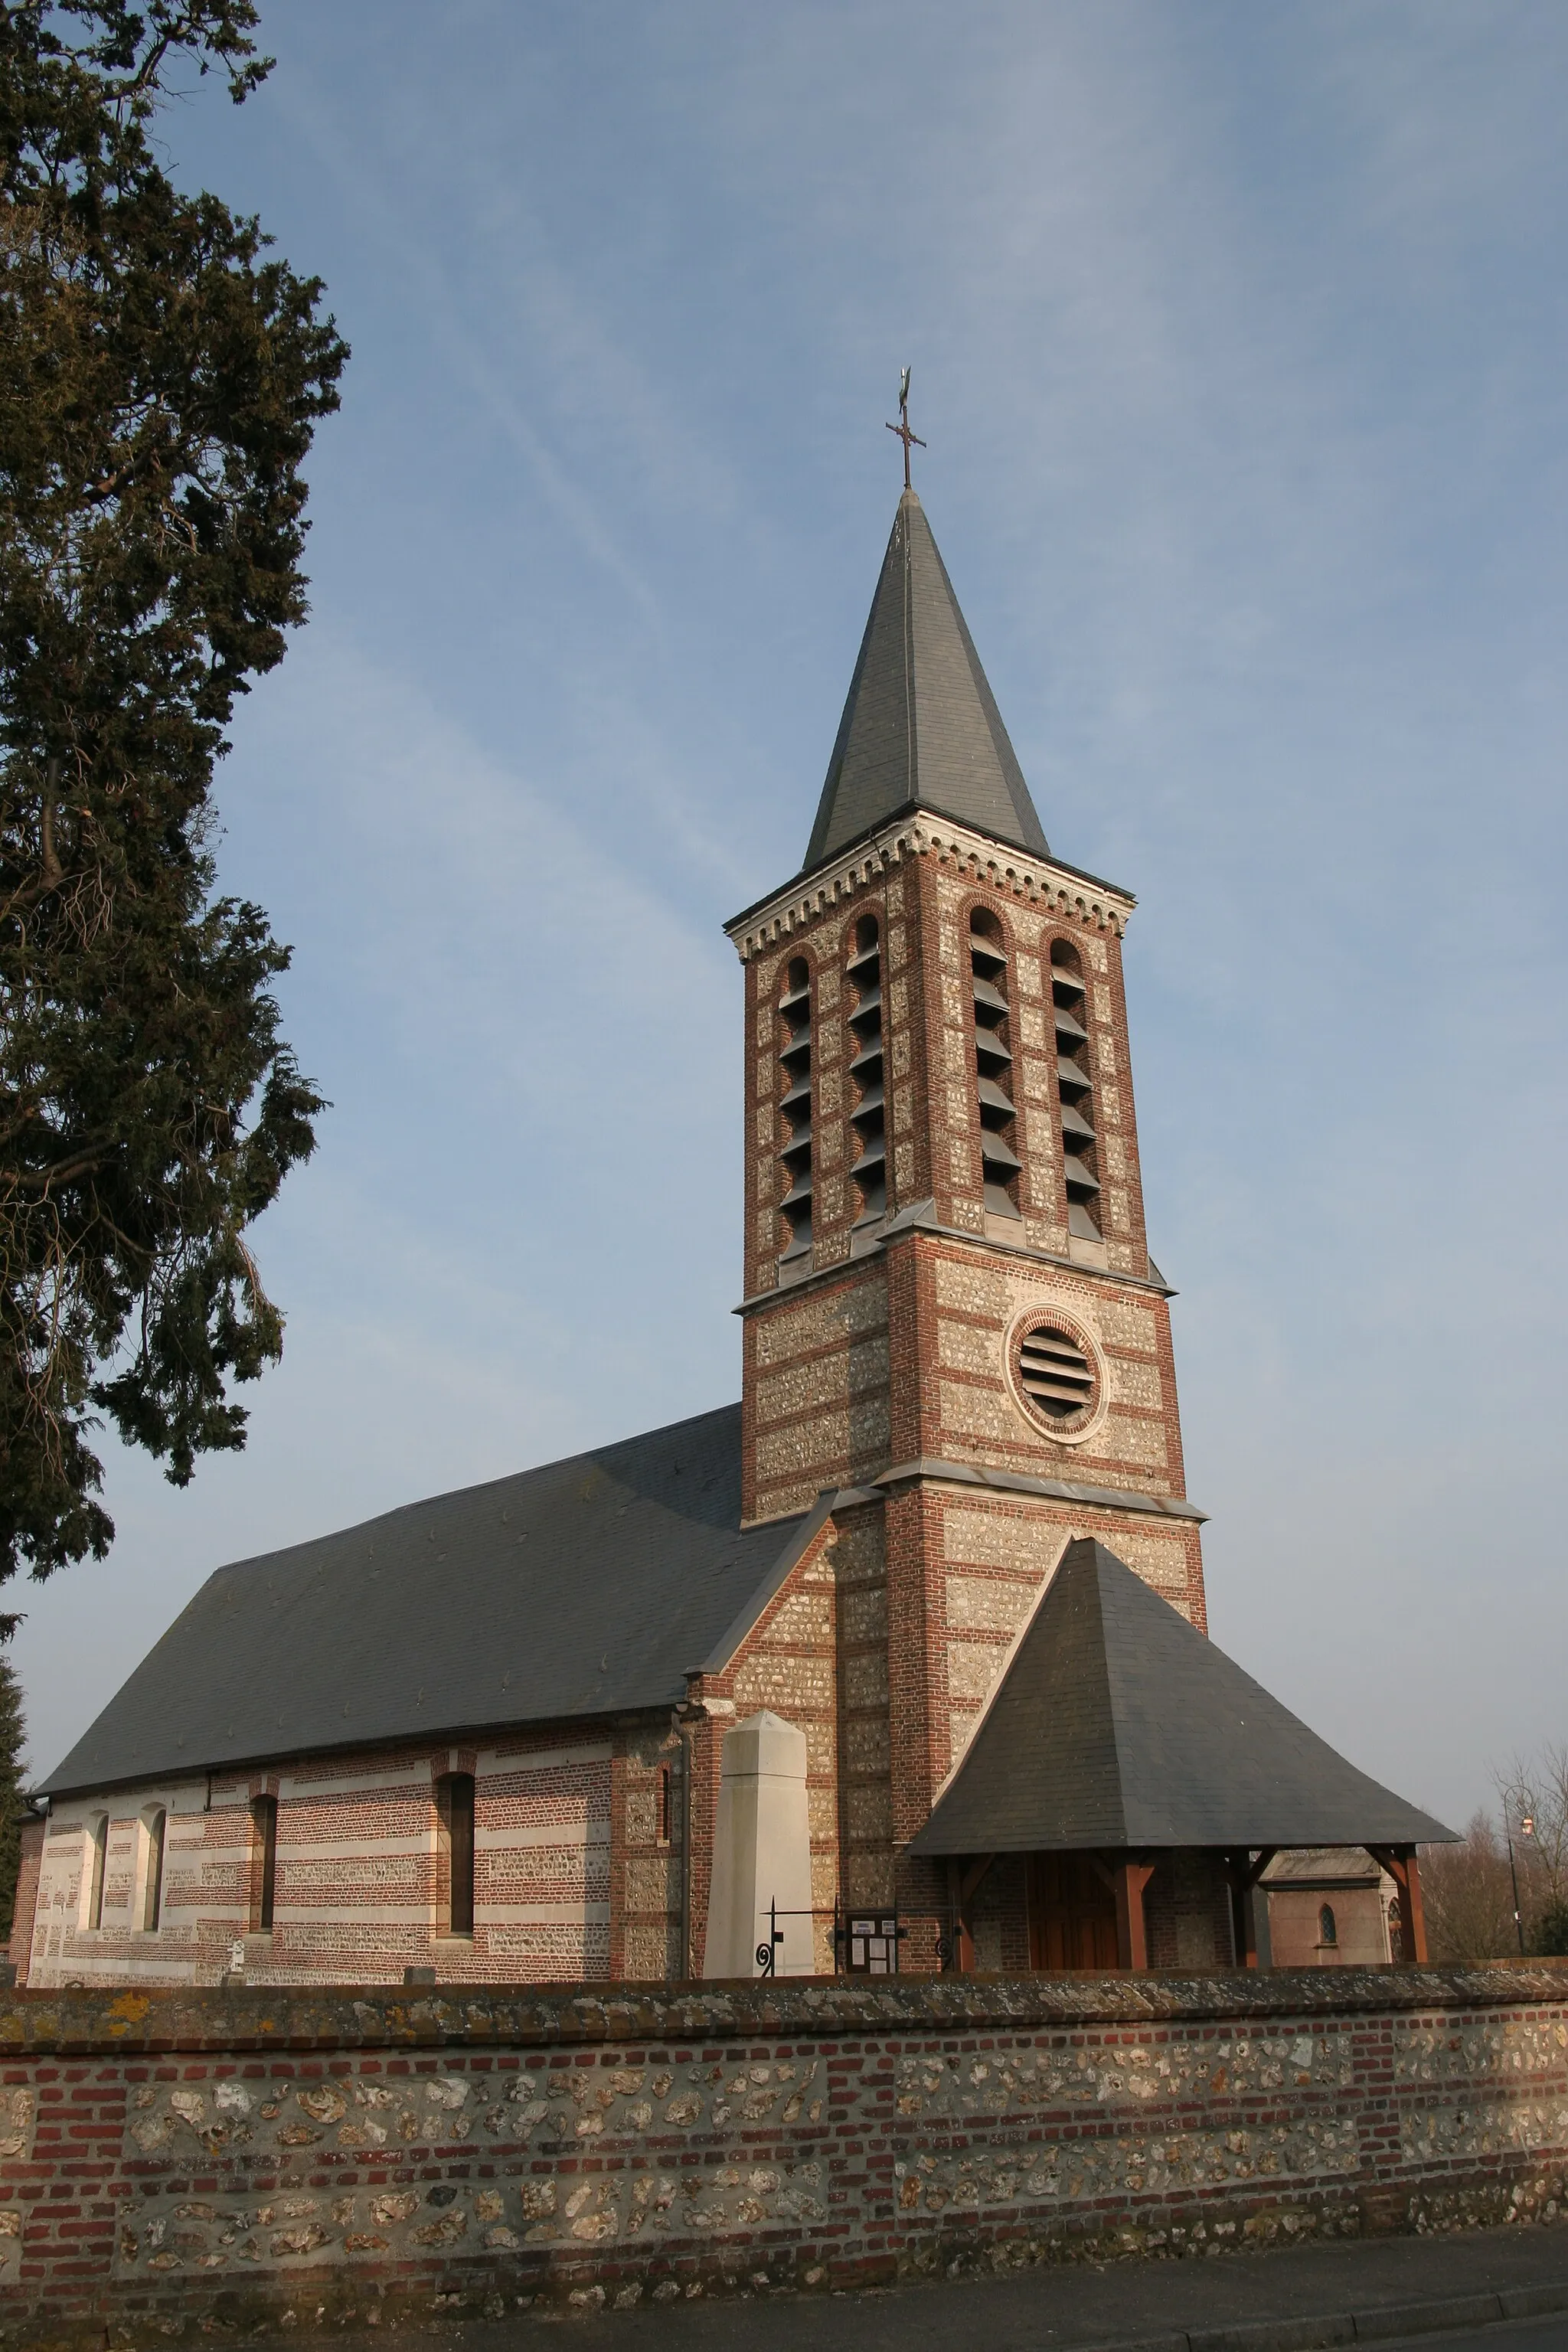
pixel 869 1117
pixel 1000 1164
pixel 794 1059
pixel 1080 1162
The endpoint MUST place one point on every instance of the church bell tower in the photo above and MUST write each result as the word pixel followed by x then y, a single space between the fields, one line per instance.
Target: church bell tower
pixel 952 1325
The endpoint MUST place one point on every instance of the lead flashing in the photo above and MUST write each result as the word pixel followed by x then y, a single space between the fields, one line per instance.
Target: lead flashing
pixel 921 1218
pixel 1061 1490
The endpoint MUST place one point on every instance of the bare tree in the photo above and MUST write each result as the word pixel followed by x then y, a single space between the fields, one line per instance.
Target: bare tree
pixel 1535 1792
pixel 1469 1897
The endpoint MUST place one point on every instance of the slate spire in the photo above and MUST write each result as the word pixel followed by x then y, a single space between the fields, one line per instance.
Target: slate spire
pixel 921 724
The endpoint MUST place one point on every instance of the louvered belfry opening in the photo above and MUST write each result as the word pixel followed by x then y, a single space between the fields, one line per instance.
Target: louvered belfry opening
pixel 794 1061
pixel 1000 1164
pixel 1081 1164
pixel 1055 1372
pixel 869 1117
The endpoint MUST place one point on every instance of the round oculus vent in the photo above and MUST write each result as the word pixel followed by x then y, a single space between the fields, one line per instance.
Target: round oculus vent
pixel 1055 1373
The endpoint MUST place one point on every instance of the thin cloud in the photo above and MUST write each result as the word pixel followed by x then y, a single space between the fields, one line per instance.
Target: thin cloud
pixel 1238 340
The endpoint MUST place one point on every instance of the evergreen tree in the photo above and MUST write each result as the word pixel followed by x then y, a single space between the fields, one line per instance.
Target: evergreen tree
pixel 161 376
pixel 1551 1935
pixel 13 1740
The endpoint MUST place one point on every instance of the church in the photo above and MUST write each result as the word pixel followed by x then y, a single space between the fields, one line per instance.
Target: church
pixel 901 1662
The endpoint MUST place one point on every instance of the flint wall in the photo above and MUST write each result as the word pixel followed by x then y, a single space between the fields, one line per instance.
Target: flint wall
pixel 177 2161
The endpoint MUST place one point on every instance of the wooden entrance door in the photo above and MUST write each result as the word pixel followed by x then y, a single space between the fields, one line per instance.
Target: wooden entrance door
pixel 1072 1913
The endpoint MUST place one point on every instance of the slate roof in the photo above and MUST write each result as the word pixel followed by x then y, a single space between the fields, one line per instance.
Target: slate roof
pixel 1117 1725
pixel 587 1587
pixel 920 723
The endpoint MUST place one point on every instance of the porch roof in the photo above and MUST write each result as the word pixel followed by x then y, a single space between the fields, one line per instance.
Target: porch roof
pixel 1117 1725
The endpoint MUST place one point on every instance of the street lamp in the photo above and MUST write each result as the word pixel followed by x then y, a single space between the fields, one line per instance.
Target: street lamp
pixel 1526 1829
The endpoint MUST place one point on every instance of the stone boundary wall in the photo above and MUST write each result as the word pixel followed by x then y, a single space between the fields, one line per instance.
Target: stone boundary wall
pixel 178 2162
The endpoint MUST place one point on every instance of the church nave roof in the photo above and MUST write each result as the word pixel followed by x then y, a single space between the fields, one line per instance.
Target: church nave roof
pixel 585 1587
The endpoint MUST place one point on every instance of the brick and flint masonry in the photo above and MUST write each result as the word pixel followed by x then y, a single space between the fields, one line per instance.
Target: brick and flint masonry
pixel 181 2161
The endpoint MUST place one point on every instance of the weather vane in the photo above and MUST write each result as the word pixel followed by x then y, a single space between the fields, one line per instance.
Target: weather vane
pixel 902 427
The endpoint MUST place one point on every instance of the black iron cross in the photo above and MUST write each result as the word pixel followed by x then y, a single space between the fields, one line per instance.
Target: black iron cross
pixel 902 427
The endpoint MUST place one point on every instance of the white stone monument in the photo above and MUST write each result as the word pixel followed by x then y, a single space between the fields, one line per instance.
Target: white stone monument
pixel 761 1852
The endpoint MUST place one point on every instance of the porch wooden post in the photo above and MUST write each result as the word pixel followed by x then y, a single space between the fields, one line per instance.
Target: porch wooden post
pixel 962 1946
pixel 1242 1915
pixel 1244 1873
pixel 1414 1909
pixel 963 1885
pixel 1130 1879
pixel 1404 1868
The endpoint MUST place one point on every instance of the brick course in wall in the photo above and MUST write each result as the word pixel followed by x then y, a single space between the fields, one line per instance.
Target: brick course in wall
pixel 175 2163
pixel 360 1884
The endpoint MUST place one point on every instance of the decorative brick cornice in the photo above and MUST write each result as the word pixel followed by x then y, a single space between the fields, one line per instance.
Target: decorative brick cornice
pixel 1040 882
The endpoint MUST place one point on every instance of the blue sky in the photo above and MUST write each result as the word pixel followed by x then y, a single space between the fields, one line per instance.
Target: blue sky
pixel 1238 342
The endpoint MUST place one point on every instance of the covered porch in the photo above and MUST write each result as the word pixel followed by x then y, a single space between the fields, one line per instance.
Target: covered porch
pixel 1130 1776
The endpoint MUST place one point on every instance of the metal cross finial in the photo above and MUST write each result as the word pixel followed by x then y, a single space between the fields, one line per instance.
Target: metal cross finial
pixel 902 427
